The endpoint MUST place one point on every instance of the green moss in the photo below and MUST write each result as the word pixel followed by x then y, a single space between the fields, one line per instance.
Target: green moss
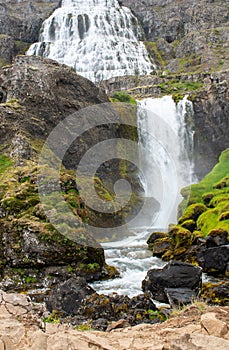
pixel 192 212
pixel 84 327
pixel 189 224
pixel 179 89
pixel 122 96
pixel 5 163
pixel 12 103
pixel 177 97
pixel 219 172
pixel 152 49
pixel 54 318
pixel 207 221
pixel 213 191
pixel 180 237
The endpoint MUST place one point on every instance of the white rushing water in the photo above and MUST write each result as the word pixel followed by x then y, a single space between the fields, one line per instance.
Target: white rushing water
pixel 99 38
pixel 165 142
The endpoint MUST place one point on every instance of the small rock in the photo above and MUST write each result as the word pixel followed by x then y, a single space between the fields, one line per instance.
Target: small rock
pixel 212 325
pixel 119 324
pixel 100 324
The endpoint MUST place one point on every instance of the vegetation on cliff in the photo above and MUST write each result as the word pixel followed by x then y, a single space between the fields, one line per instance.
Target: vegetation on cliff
pixel 203 225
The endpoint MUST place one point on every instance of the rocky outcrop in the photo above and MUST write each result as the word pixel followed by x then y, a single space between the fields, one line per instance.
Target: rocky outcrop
pixel 36 94
pixel 211 108
pixel 76 302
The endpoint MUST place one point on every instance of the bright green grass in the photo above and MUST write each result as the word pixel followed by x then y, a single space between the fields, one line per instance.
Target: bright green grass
pixel 122 96
pixel 220 171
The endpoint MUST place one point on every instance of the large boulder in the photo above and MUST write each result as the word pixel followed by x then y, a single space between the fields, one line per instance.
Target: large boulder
pixel 182 277
pixel 67 298
pixel 215 259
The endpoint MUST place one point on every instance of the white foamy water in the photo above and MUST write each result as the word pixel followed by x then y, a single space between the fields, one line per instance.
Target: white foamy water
pixel 98 38
pixel 133 260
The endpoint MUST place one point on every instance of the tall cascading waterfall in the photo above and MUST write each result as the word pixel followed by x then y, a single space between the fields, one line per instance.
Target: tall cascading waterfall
pixel 99 38
pixel 166 147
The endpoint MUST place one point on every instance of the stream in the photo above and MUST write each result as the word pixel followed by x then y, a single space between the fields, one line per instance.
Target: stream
pixel 132 259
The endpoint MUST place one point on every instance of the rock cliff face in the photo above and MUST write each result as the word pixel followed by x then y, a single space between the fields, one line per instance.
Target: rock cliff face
pixel 211 121
pixel 185 35
pixel 20 22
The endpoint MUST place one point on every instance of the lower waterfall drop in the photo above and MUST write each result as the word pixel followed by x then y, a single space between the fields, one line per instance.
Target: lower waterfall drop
pixel 98 38
pixel 165 142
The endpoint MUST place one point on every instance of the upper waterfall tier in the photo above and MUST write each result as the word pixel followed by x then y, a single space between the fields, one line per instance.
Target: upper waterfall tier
pixel 99 38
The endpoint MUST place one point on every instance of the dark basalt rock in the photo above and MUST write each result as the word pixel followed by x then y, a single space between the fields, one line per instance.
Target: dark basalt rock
pixel 180 296
pixel 161 246
pixel 214 260
pixel 175 275
pixel 67 298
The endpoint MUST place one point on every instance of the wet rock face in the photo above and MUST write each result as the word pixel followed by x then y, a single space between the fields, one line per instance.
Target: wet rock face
pixel 177 283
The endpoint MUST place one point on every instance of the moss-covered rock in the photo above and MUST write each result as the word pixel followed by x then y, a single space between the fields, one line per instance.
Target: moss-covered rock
pixel 217 237
pixel 161 246
pixel 155 236
pixel 189 224
pixel 216 293
pixel 192 212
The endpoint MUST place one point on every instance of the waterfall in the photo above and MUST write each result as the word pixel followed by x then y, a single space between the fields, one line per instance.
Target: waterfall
pixel 98 38
pixel 165 141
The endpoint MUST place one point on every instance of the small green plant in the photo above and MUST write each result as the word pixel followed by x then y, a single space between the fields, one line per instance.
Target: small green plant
pixel 84 327
pixel 52 318
pixel 30 279
pixel 153 314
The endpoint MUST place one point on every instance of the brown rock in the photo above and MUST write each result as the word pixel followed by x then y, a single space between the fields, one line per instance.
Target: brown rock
pixel 119 324
pixel 212 325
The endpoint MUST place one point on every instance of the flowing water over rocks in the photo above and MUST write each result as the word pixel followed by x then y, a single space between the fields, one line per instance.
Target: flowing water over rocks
pixel 100 39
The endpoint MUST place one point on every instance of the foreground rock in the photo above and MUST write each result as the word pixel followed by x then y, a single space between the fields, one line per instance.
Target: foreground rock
pixel 21 328
pixel 76 302
pixel 178 283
